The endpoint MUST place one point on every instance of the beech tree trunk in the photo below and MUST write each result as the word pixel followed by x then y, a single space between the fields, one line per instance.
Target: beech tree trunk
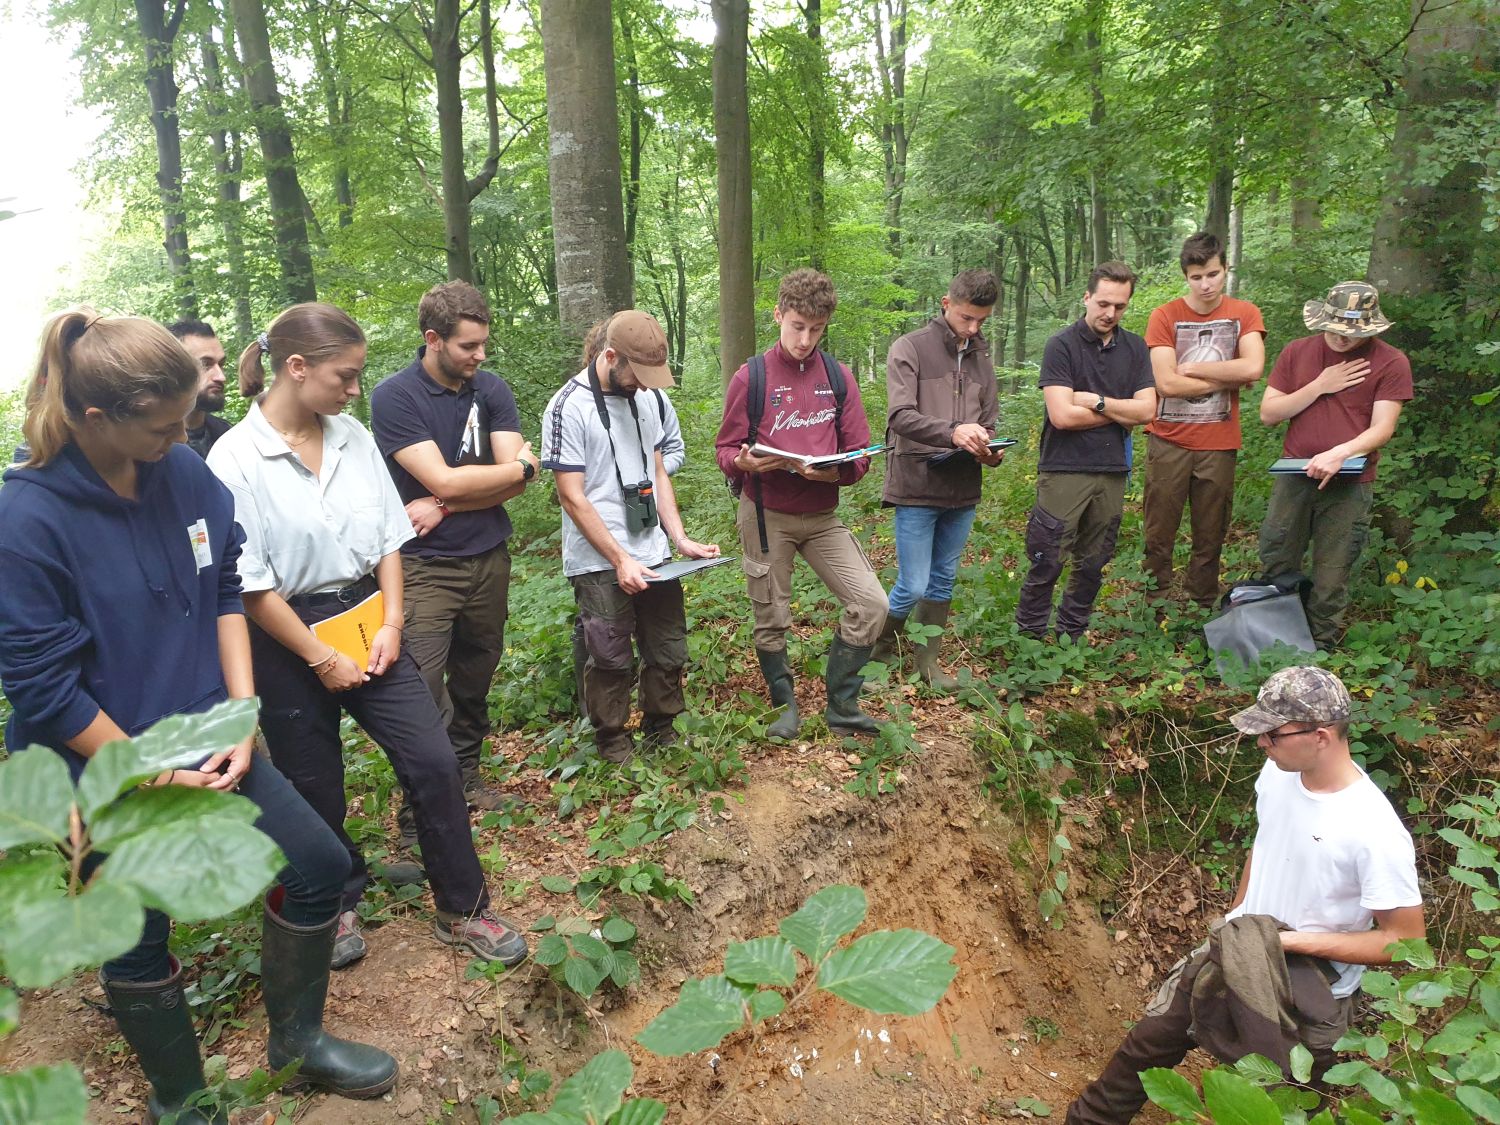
pixel 158 31
pixel 1023 294
pixel 732 147
pixel 895 125
pixel 817 138
pixel 583 162
pixel 1098 201
pixel 284 190
pixel 228 163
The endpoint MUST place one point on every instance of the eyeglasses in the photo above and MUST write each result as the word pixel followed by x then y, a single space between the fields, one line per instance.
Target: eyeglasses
pixel 1274 738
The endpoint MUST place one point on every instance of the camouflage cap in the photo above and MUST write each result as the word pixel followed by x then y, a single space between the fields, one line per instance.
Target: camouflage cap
pixel 1352 308
pixel 1296 695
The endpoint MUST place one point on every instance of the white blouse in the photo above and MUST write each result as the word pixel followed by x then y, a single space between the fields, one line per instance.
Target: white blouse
pixel 307 534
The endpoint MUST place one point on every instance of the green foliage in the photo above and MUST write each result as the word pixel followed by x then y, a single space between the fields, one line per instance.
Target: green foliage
pixel 582 956
pixel 188 852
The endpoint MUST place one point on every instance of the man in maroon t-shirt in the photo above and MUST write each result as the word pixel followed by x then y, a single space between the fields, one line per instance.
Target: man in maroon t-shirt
pixel 797 503
pixel 1342 390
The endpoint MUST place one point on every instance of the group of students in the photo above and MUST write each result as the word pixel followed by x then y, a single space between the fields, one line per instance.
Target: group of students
pixel 159 561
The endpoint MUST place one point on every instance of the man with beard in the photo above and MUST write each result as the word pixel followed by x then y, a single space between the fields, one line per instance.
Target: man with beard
pixel 620 521
pixel 451 437
pixel 204 426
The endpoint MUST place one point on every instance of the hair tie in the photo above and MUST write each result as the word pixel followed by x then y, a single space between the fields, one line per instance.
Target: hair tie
pixel 264 341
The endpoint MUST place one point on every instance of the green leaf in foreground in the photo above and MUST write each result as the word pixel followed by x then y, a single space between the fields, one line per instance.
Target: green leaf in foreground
pixel 10 1011
pixel 705 1012
pixel 1172 1092
pixel 175 742
pixel 594 1093
pixel 166 804
pixel 901 972
pixel 1260 1070
pixel 1481 1101
pixel 194 875
pixel 36 793
pixel 51 938
pixel 556 884
pixel 1302 1063
pixel 1232 1100
pixel 765 1004
pixel 44 1095
pixel 824 918
pixel 1434 1108
pixel 764 960
pixel 640 1111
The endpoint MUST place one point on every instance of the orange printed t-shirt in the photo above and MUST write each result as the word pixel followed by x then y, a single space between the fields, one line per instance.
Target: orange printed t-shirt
pixel 1210 421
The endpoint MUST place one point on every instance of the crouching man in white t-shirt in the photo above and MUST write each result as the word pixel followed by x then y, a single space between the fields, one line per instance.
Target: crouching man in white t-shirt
pixel 1331 860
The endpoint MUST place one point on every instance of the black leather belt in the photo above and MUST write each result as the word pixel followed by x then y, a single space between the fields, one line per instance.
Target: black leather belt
pixel 344 596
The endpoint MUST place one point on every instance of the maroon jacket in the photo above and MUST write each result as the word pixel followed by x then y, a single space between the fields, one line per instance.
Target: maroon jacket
pixel 797 416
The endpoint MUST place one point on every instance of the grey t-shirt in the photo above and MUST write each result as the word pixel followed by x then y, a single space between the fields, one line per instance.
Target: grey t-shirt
pixel 574 441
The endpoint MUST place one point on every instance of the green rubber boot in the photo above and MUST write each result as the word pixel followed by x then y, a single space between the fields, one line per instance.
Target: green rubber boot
pixel 154 1018
pixel 844 681
pixel 933 613
pixel 778 674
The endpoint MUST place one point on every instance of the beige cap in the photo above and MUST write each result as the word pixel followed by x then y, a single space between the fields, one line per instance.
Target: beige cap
pixel 636 336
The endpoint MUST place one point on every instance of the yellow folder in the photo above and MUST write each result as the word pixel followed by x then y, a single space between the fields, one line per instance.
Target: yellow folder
pixel 353 631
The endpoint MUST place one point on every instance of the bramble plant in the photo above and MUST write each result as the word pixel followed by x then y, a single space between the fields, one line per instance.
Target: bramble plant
pixel 192 853
pixel 897 972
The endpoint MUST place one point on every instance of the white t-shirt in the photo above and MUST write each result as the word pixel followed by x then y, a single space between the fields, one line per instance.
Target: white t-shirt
pixel 1325 862
pixel 574 441
pixel 306 534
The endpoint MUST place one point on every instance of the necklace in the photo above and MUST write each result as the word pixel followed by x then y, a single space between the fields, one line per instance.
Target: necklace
pixel 295 442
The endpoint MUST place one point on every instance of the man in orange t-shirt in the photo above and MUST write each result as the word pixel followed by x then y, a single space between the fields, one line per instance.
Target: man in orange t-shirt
pixel 1204 348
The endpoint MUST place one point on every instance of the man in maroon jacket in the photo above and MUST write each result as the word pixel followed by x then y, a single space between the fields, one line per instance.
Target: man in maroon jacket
pixel 802 413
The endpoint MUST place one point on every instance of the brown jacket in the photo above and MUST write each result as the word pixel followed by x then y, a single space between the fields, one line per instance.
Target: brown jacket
pixel 930 389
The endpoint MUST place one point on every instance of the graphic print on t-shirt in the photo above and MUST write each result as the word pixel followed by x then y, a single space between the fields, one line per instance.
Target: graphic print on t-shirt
pixel 788 416
pixel 1202 341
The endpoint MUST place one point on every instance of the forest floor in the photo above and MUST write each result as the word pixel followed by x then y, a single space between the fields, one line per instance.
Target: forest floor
pixel 1031 1016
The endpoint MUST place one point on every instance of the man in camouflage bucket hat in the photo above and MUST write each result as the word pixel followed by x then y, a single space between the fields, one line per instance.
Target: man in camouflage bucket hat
pixel 1342 392
pixel 1330 858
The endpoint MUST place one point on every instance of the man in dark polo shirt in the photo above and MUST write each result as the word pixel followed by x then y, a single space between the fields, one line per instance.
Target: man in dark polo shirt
pixel 451 437
pixel 1342 390
pixel 204 426
pixel 1097 384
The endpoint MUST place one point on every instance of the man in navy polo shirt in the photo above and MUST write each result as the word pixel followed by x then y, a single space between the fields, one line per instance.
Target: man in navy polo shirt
pixel 1097 383
pixel 451 436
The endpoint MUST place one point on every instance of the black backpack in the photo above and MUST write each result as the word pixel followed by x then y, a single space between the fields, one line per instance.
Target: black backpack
pixel 755 405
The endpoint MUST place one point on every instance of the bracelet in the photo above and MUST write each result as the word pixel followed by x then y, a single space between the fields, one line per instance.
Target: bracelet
pixel 388 625
pixel 324 666
pixel 438 500
pixel 155 783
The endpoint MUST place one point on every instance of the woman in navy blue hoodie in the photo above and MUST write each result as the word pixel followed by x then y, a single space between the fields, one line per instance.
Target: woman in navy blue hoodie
pixel 121 606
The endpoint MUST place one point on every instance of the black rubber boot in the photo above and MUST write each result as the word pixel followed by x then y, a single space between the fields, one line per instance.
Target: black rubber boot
pixel 933 613
pixel 154 1018
pixel 844 681
pixel 886 645
pixel 778 674
pixel 294 981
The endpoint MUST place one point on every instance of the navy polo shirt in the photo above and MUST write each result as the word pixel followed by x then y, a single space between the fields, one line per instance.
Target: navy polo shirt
pixel 411 407
pixel 1075 358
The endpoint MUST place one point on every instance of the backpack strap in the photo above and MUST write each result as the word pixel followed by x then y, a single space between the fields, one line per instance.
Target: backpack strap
pixel 661 406
pixel 755 405
pixel 840 391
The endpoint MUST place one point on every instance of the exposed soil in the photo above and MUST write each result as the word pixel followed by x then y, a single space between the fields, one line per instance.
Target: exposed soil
pixel 1033 1012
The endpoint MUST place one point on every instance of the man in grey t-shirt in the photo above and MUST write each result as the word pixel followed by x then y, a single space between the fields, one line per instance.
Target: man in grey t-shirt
pixel 620 519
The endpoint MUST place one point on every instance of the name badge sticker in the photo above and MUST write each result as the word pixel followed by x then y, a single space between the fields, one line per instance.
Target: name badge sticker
pixel 203 554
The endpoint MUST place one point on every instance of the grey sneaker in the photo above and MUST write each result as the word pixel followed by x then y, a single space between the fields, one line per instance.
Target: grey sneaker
pixel 485 798
pixel 349 943
pixel 486 935
pixel 403 870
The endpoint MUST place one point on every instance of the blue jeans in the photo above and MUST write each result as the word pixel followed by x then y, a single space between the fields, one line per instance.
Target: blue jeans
pixel 928 544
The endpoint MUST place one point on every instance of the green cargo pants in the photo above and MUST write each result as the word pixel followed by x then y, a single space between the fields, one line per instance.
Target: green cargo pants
pixel 1336 521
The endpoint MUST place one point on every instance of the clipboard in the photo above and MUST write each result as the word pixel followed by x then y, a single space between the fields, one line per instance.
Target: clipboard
pixel 680 567
pixel 1294 466
pixel 955 457
pixel 353 631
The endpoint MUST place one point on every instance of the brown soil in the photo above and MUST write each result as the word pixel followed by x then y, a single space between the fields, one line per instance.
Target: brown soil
pixel 1033 1012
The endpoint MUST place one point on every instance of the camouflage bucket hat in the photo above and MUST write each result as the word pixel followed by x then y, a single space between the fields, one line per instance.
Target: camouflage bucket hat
pixel 1352 308
pixel 1296 695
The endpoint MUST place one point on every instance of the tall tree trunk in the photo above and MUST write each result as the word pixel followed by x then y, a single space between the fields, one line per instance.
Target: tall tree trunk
pixel 1023 295
pixel 158 31
pixel 732 147
pixel 633 86
pixel 895 124
pixel 334 85
pixel 1098 201
pixel 1236 243
pixel 1429 222
pixel 1220 201
pixel 447 65
pixel 228 162
pixel 583 162
pixel 817 137
pixel 1307 209
pixel 288 222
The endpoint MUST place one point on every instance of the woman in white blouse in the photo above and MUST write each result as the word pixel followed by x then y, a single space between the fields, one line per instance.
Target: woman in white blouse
pixel 323 529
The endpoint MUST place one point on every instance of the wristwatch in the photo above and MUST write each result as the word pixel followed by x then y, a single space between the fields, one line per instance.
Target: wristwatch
pixel 528 470
pixel 1099 406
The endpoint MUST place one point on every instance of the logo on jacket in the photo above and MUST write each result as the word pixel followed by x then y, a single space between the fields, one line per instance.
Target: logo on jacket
pixel 778 395
pixel 822 389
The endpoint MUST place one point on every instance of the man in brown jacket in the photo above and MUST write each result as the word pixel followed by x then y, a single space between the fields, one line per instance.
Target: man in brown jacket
pixel 941 414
